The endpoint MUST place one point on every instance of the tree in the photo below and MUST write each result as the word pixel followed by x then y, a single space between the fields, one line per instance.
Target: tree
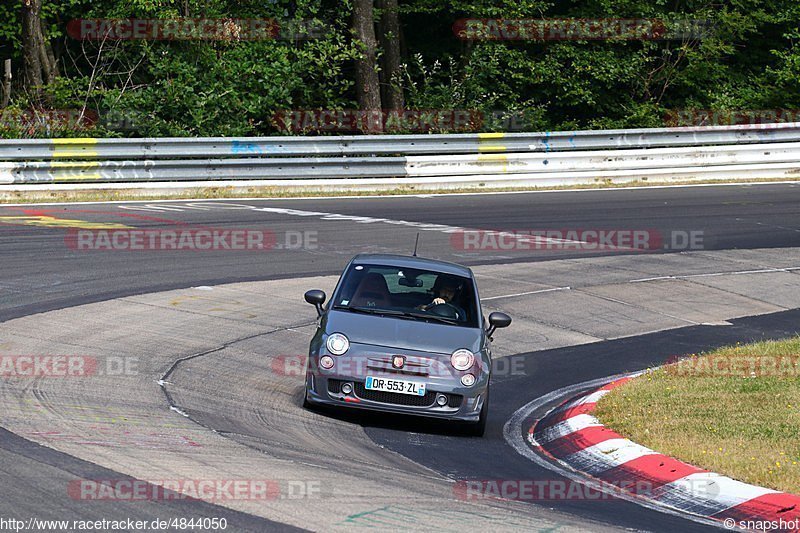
pixel 39 63
pixel 389 34
pixel 367 87
pixel 32 65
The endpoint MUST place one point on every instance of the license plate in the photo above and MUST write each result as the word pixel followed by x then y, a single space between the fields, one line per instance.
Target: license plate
pixel 395 385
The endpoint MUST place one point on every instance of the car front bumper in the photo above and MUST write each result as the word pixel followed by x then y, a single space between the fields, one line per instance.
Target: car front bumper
pixel 463 403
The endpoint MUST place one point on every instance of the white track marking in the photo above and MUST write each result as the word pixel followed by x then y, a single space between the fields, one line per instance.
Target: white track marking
pixel 716 492
pixel 606 455
pixel 712 274
pixel 525 293
pixel 564 428
pixel 324 215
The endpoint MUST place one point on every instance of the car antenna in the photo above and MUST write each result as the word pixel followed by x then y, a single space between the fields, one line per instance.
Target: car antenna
pixel 415 245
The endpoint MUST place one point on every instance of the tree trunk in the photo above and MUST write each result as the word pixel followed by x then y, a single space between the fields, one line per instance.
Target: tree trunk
pixel 31 47
pixel 47 57
pixel 6 83
pixel 389 34
pixel 367 86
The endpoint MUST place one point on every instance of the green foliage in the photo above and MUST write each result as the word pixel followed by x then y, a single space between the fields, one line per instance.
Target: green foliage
pixel 749 59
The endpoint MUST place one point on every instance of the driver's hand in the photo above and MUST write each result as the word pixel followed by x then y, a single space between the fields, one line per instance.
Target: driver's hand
pixel 438 301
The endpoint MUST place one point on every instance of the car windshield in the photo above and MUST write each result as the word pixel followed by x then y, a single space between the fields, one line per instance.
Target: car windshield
pixel 408 293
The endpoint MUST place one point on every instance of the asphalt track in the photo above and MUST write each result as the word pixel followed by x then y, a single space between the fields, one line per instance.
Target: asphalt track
pixel 39 274
pixel 750 230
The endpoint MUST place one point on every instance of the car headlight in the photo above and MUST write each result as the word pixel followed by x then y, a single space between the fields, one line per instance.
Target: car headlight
pixel 462 359
pixel 337 344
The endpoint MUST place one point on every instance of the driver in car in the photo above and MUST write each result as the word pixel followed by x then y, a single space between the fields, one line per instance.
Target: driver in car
pixel 446 290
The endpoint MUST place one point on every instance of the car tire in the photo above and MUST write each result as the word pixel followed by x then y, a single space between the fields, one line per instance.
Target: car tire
pixel 306 403
pixel 479 428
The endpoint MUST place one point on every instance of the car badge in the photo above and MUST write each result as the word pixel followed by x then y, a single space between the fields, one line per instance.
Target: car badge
pixel 398 361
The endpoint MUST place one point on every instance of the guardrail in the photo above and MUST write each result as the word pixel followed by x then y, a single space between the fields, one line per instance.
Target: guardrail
pixel 753 151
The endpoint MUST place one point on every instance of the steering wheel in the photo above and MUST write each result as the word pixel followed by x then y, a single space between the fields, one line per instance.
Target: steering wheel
pixel 446 310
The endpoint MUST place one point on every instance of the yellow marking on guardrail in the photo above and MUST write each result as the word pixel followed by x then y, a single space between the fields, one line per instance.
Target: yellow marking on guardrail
pixel 484 146
pixel 53 222
pixel 66 171
pixel 491 148
pixel 72 148
pixel 500 159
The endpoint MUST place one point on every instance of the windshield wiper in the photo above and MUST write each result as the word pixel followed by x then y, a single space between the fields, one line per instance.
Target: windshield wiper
pixel 369 310
pixel 426 316
pixel 399 314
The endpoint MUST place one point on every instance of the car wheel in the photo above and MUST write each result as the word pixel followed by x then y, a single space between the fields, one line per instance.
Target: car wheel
pixel 479 428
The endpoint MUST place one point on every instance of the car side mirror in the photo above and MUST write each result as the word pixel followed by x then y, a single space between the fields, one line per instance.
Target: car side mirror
pixel 497 320
pixel 316 298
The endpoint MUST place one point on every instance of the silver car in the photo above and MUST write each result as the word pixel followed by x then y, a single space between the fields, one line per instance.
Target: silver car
pixel 403 335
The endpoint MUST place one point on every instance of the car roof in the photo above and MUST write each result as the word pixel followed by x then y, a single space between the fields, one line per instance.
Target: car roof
pixel 405 261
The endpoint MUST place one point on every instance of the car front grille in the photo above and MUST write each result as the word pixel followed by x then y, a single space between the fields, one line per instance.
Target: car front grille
pixel 453 400
pixel 393 397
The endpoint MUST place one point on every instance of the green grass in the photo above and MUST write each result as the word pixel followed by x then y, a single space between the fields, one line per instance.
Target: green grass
pixel 735 411
pixel 97 195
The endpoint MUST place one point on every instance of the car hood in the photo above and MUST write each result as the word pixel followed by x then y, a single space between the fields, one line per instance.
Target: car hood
pixel 403 333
